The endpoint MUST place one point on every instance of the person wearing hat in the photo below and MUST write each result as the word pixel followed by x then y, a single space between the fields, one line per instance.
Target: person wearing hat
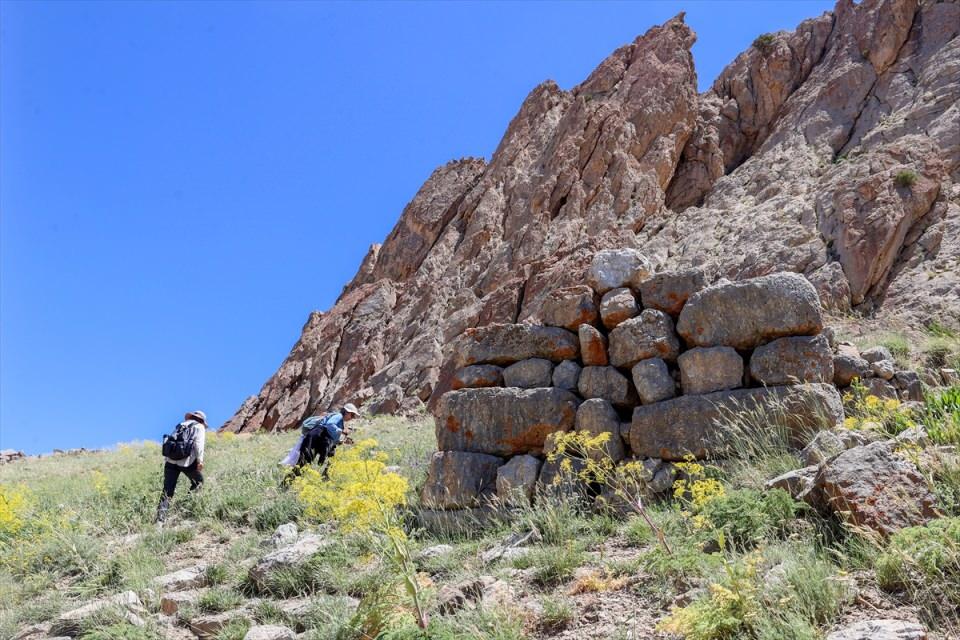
pixel 322 434
pixel 189 437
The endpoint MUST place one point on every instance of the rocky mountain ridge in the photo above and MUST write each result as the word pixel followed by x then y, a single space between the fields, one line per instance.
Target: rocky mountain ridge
pixel 831 151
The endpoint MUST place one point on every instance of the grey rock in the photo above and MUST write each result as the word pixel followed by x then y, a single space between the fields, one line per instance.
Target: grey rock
pixel 792 360
pixel 881 389
pixel 618 305
pixel 270 632
pixel 529 374
pixel 876 354
pixel 653 381
pixel 883 369
pixel 566 375
pixel 435 551
pixel 649 335
pixel 596 416
pixel 593 346
pixel 190 578
pixel 460 480
pixel 846 368
pixel 709 369
pixel 831 442
pixel 502 421
pixel 287 557
pixel 609 384
pixel 799 483
pixel 663 479
pixel 613 268
pixel 668 291
pixel 517 479
pixel 71 622
pixel 908 383
pixel 749 313
pixel 477 376
pixel 208 626
pixel 569 307
pixel 880 630
pixel 171 603
pixel 505 344
pixel 284 535
pixel 695 424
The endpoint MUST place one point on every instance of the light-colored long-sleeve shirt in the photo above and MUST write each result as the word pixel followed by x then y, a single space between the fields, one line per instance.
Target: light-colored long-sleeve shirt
pixel 199 442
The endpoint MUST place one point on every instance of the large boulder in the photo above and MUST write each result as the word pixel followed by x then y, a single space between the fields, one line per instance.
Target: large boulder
pixel 593 346
pixel 746 314
pixel 709 369
pixel 613 268
pixel 477 376
pixel 697 424
pixel 596 416
pixel 569 307
pixel 528 374
pixel 286 558
pixel 505 344
pixel 874 487
pixel 653 381
pixel 517 479
pixel 566 375
pixel 618 305
pixel 609 384
pixel 876 354
pixel 668 291
pixel 649 335
pixel 460 480
pixel 502 421
pixel 792 360
pixel 847 367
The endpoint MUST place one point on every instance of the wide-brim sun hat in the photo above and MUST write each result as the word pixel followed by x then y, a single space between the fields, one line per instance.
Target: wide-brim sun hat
pixel 197 415
pixel 351 408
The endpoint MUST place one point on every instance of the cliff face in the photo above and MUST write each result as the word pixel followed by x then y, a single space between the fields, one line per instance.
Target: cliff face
pixel 832 151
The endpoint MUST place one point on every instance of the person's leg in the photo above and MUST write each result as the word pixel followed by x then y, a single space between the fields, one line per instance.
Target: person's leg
pixel 196 477
pixel 171 473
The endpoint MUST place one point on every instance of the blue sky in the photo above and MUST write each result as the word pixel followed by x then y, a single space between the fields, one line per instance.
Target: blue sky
pixel 182 183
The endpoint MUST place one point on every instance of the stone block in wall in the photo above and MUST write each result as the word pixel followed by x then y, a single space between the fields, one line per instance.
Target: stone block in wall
pixel 649 335
pixel 846 367
pixel 554 480
pixel 517 479
pixel 502 421
pixel 505 344
pixel 618 305
pixel 566 375
pixel 613 268
pixel 791 360
pixel 695 424
pixel 569 307
pixel 460 480
pixel 593 346
pixel 653 381
pixel 528 374
pixel 668 291
pixel 477 376
pixel 597 416
pixel 609 384
pixel 709 369
pixel 751 312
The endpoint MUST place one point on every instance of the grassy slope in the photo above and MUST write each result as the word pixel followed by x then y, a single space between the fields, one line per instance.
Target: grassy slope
pixel 86 531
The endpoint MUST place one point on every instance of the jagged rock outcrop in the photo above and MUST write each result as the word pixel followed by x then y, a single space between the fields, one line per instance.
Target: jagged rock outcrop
pixel 831 151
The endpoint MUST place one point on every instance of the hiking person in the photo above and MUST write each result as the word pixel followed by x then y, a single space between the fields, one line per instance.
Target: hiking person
pixel 183 453
pixel 320 437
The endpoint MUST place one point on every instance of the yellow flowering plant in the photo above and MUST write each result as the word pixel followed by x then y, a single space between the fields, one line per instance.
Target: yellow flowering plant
pixel 14 507
pixel 868 412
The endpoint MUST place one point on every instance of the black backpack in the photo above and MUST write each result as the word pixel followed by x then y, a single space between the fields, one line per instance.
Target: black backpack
pixel 179 445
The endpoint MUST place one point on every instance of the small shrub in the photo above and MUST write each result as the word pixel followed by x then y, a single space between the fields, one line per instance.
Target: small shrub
pixel 906 178
pixel 552 565
pixel 924 560
pixel 870 413
pixel 764 42
pixel 558 613
pixel 266 612
pixel 219 600
pixel 218 574
pixel 236 629
pixel 941 415
pixel 280 510
pixel 746 517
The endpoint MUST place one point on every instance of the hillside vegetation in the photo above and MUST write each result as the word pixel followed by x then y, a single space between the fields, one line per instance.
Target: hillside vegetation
pixel 719 556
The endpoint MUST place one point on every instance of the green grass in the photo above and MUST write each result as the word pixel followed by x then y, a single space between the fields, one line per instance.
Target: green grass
pixel 906 178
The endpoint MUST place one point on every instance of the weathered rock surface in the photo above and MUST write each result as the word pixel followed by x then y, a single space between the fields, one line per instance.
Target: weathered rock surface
pixel 691 424
pixel 709 369
pixel 270 632
pixel 848 367
pixel 883 369
pixel 788 163
pixel 831 442
pixel 792 360
pixel 190 578
pixel 70 623
pixel 652 380
pixel 880 630
pixel 615 268
pixel 460 480
pixel 209 625
pixel 593 347
pixel 517 479
pixel 873 487
pixel 505 344
pixel 596 416
pixel 876 354
pixel 286 558
pixel 170 603
pixel 476 376
pixel 650 335
pixel 566 375
pixel 668 291
pixel 569 307
pixel 618 305
pixel 527 374
pixel 502 421
pixel 607 383
pixel 746 314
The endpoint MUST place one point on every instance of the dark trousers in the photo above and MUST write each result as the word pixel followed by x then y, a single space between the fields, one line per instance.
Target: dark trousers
pixel 171 474
pixel 315 447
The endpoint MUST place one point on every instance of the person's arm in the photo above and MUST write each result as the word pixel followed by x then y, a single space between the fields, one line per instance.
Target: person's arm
pixel 200 444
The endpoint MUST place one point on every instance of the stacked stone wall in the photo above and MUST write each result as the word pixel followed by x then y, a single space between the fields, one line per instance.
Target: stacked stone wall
pixel 658 361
